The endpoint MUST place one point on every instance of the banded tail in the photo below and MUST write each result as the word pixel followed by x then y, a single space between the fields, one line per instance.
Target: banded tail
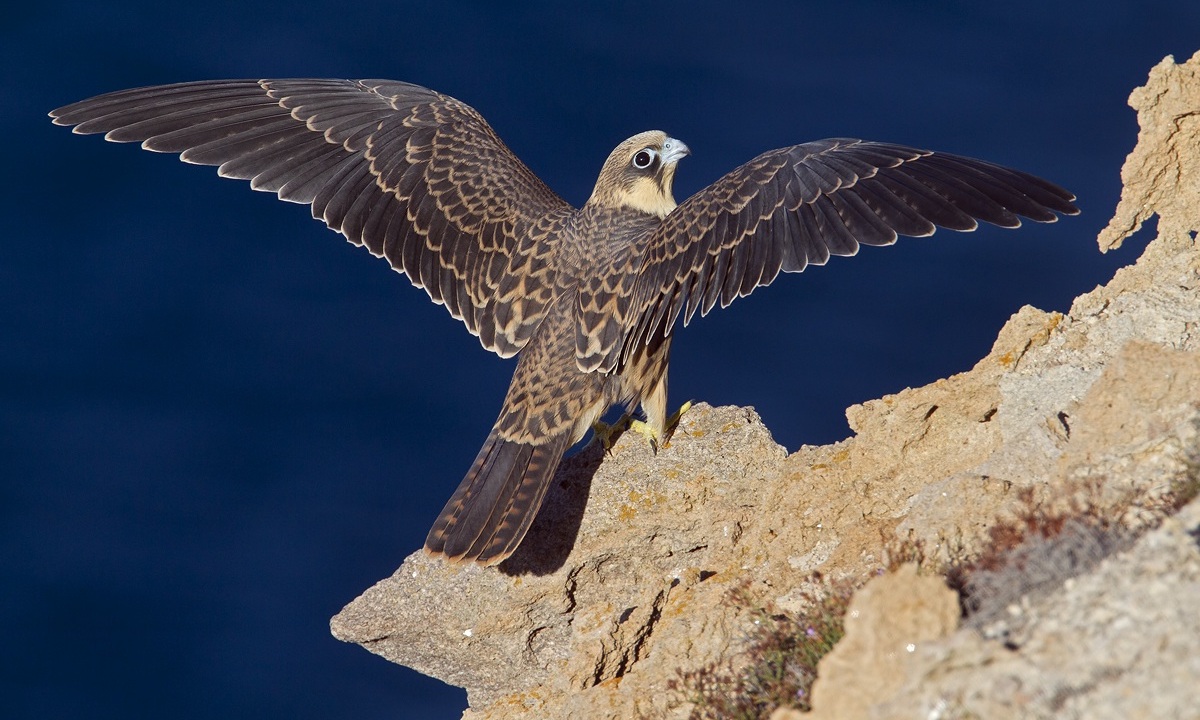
pixel 495 504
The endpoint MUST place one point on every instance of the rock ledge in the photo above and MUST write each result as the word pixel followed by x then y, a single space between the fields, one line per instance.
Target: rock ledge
pixel 625 577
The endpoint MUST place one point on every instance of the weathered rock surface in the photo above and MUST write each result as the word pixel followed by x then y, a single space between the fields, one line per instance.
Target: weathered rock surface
pixel 885 623
pixel 626 575
pixel 1122 641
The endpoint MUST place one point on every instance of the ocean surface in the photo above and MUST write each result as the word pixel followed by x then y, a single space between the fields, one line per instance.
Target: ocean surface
pixel 220 422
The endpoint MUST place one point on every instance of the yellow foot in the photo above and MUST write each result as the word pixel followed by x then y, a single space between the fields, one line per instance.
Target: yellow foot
pixel 647 431
pixel 608 434
pixel 643 428
pixel 673 421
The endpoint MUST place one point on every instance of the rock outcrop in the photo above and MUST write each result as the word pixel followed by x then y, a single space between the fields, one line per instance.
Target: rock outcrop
pixel 625 577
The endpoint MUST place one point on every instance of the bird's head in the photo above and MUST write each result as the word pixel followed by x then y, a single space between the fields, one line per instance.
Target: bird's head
pixel 638 174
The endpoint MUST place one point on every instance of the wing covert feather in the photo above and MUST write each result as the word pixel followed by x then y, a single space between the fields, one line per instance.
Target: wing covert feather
pixel 415 176
pixel 793 207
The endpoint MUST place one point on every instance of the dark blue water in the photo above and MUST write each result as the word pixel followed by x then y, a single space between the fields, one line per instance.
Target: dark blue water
pixel 219 422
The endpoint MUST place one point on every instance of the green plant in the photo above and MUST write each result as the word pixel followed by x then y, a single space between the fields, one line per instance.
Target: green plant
pixel 779 664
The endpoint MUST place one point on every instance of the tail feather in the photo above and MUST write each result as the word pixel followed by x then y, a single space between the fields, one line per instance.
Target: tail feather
pixel 493 507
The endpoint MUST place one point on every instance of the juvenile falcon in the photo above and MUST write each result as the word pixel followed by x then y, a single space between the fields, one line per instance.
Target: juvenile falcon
pixel 587 296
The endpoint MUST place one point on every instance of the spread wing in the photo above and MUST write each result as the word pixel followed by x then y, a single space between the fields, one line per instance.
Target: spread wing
pixel 796 206
pixel 417 177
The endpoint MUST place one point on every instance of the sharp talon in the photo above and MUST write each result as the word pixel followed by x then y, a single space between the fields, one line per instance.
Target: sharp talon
pixel 644 429
pixel 673 422
pixel 602 432
pixel 608 434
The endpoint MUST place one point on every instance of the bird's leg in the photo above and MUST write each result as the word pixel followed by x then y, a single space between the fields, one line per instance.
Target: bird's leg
pixel 659 437
pixel 657 427
pixel 673 421
pixel 608 434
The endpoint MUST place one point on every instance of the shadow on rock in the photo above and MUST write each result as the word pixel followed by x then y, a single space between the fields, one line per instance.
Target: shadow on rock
pixel 552 535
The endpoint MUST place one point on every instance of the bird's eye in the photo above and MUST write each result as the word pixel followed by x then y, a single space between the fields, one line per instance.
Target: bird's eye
pixel 644 158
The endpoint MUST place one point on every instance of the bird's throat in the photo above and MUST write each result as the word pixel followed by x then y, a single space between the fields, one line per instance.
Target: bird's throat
pixel 648 196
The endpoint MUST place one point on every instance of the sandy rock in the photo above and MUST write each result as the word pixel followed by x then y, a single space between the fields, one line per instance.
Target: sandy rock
pixel 627 576
pixel 619 555
pixel 1120 642
pixel 885 624
pixel 1162 175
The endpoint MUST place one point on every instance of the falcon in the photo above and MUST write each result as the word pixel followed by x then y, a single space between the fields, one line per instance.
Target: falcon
pixel 586 296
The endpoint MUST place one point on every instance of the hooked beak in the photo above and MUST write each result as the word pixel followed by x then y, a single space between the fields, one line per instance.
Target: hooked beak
pixel 674 150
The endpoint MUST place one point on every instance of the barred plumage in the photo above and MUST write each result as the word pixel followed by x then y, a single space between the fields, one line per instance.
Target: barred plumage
pixel 587 296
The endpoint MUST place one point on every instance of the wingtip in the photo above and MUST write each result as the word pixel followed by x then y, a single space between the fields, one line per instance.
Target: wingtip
pixel 56 117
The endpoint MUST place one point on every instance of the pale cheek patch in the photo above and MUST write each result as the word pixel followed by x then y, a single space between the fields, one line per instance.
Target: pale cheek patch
pixel 645 195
